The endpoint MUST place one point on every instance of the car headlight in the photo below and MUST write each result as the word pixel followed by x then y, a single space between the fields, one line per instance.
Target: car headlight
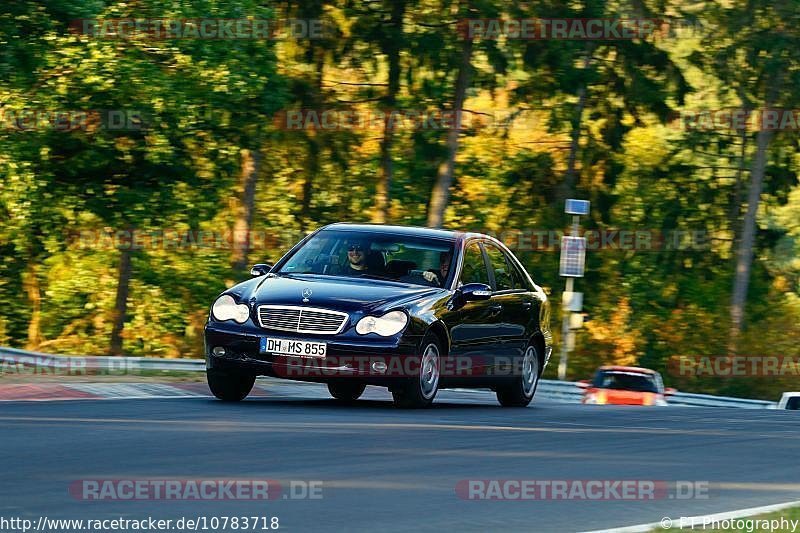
pixel 595 398
pixel 386 325
pixel 226 308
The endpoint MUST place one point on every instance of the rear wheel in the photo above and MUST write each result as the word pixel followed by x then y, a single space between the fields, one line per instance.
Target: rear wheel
pixel 520 390
pixel 346 391
pixel 229 386
pixel 419 391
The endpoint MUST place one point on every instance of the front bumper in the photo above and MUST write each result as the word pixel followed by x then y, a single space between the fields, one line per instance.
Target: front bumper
pixel 346 358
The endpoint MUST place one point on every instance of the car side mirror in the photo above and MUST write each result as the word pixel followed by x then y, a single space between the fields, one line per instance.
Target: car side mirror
pixel 669 391
pixel 583 384
pixel 475 291
pixel 260 269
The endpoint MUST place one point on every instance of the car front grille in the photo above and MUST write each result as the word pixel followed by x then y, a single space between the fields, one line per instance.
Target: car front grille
pixel 301 319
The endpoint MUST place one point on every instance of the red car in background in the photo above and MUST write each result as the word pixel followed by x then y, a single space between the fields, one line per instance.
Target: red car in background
pixel 625 385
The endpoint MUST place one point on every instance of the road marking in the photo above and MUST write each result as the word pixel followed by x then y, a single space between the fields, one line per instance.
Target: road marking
pixel 516 454
pixel 795 487
pixel 363 425
pixel 698 520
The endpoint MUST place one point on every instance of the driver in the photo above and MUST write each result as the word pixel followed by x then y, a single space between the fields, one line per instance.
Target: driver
pixel 356 259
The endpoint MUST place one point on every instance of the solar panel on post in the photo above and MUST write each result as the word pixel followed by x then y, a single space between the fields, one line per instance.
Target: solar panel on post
pixel 573 257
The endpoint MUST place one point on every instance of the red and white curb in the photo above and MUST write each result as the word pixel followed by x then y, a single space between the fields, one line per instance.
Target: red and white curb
pixel 46 392
pixel 41 392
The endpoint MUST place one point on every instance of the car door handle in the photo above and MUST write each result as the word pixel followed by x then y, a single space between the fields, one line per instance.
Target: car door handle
pixel 495 309
pixel 527 305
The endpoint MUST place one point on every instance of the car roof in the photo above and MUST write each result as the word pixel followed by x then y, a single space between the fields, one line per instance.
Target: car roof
pixel 634 369
pixel 415 231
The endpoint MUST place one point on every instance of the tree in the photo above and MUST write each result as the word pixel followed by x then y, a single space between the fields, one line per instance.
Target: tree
pixel 759 61
pixel 126 174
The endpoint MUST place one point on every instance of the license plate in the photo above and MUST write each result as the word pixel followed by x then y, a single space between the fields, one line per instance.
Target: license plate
pixel 293 347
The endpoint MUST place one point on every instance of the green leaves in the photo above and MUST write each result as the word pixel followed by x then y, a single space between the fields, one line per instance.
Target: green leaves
pixel 165 121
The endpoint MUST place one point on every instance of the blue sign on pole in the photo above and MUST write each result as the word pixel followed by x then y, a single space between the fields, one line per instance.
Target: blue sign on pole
pixel 576 207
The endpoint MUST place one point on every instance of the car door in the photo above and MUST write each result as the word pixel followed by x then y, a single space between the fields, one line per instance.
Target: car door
pixel 472 330
pixel 510 294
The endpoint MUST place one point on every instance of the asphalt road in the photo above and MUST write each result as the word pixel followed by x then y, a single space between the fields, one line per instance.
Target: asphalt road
pixel 384 469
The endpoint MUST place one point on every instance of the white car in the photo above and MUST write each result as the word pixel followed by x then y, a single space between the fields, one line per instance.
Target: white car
pixel 790 401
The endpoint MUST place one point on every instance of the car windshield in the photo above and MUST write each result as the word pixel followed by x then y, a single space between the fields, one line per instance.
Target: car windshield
pixel 374 255
pixel 625 381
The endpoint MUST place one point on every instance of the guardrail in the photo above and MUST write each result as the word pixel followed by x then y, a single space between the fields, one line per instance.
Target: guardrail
pixel 707 400
pixel 23 361
pixel 559 391
pixel 569 392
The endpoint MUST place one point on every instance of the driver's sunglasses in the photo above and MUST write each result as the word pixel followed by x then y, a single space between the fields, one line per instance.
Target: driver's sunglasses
pixel 355 248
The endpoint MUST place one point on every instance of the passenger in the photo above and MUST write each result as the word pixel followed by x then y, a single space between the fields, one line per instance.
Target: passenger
pixel 438 277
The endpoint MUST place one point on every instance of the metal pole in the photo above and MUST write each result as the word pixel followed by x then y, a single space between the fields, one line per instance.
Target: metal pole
pixel 570 285
pixel 562 363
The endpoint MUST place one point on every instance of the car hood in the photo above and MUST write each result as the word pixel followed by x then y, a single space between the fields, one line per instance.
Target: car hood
pixel 339 293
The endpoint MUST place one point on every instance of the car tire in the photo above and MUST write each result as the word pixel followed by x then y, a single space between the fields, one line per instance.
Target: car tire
pixel 419 391
pixel 346 391
pixel 230 386
pixel 520 390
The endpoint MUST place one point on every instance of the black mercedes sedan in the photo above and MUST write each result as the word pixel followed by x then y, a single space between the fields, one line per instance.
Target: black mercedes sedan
pixel 411 309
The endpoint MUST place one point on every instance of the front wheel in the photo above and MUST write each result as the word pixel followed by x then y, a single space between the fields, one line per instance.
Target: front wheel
pixel 346 392
pixel 519 392
pixel 230 386
pixel 419 391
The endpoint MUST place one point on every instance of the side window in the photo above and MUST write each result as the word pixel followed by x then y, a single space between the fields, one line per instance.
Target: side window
pixel 659 382
pixel 502 275
pixel 516 275
pixel 474 270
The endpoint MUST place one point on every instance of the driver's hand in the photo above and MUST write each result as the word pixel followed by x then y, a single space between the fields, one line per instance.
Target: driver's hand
pixel 430 277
